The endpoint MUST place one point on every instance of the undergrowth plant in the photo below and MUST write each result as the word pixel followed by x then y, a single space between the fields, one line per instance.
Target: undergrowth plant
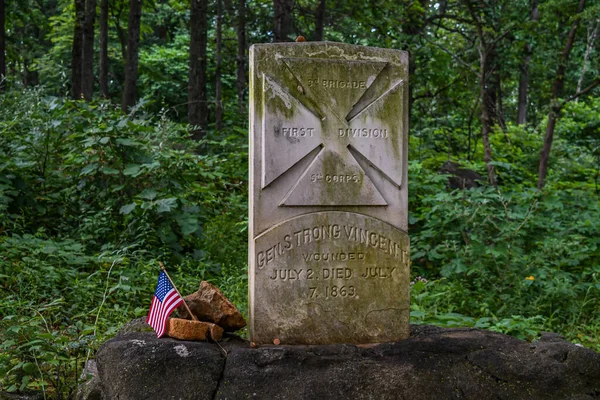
pixel 91 199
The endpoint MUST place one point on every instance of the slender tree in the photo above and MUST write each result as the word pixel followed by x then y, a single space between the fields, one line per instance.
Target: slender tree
pixel 319 20
pixel 241 53
pixel 2 46
pixel 133 44
pixel 161 30
pixel 486 48
pixel 524 69
pixel 493 79
pixel 29 75
pixel 499 108
pixel 117 9
pixel 197 108
pixel 103 64
pixel 77 50
pixel 591 38
pixel 87 70
pixel 557 91
pixel 219 57
pixel 283 19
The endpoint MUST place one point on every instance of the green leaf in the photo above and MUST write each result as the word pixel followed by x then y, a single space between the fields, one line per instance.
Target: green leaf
pixel 187 223
pixel 126 209
pixel 89 142
pixel 482 323
pixel 31 343
pixel 104 140
pixel 148 194
pixel 49 248
pixel 500 164
pixel 109 171
pixel 131 170
pixel 166 205
pixel 24 382
pixel 116 188
pixel 127 142
pixel 88 169
pixel 29 367
pixel 417 287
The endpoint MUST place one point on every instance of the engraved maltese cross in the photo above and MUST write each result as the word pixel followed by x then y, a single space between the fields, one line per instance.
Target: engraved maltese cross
pixel 338 112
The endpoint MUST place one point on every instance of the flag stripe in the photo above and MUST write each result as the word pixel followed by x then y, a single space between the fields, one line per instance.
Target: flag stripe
pixel 165 300
pixel 176 301
pixel 166 311
pixel 152 316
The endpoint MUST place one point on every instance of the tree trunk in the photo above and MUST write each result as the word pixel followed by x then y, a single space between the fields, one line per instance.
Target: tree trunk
pixel 487 58
pixel 241 54
pixel 219 56
pixel 524 68
pixel 493 91
pixel 87 71
pixel 283 19
pixel 499 102
pixel 591 38
pixel 32 75
pixel 487 106
pixel 320 21
pixel 523 87
pixel 557 90
pixel 104 49
pixel 133 44
pixel 77 50
pixel 162 29
pixel 2 46
pixel 197 108
pixel 122 35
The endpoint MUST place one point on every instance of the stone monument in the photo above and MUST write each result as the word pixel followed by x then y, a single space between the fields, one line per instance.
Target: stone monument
pixel 328 248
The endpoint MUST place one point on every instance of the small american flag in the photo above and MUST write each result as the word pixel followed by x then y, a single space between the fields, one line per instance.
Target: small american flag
pixel 165 300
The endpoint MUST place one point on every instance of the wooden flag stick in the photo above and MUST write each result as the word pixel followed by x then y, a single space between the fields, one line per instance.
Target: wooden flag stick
pixel 175 287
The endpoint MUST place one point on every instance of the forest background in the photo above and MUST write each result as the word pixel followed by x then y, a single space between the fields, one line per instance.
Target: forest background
pixel 124 141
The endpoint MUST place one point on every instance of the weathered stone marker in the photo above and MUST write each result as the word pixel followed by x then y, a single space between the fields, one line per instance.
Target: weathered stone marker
pixel 328 253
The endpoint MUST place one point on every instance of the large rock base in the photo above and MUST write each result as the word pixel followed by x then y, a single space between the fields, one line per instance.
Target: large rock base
pixel 433 363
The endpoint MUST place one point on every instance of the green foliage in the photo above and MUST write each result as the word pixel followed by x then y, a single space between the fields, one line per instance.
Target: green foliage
pixel 90 199
pixel 164 72
pixel 509 259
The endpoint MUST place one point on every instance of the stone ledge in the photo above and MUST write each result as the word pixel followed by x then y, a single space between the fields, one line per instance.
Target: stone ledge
pixel 434 363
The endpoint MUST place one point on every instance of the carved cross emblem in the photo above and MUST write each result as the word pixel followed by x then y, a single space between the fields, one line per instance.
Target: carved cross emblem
pixel 346 116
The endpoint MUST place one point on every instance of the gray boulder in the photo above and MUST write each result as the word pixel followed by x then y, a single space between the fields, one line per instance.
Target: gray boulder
pixel 434 363
pixel 139 366
pixel 91 388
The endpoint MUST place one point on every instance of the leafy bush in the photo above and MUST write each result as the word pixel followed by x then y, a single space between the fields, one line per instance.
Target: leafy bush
pixel 509 259
pixel 90 200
